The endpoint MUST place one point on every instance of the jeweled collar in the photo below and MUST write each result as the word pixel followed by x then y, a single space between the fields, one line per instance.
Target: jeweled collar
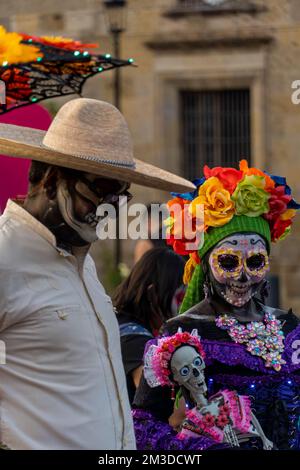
pixel 262 338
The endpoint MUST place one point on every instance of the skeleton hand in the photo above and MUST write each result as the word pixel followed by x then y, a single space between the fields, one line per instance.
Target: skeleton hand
pixel 267 445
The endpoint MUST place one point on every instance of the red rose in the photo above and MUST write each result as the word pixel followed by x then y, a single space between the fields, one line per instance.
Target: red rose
pixel 183 232
pixel 179 246
pixel 278 228
pixel 277 203
pixel 229 177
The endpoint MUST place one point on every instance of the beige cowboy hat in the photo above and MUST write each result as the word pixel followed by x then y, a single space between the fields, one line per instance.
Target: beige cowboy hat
pixel 90 136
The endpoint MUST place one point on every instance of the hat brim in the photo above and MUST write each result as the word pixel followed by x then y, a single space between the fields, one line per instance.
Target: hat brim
pixel 25 142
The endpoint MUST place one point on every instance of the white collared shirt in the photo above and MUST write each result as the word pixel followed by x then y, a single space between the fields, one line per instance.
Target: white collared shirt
pixel 63 385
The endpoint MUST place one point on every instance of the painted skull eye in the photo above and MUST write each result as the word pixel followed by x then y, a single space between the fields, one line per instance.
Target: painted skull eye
pixel 228 262
pixel 255 262
pixel 197 362
pixel 184 371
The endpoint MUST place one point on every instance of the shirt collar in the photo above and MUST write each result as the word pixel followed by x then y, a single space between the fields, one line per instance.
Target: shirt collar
pixel 16 211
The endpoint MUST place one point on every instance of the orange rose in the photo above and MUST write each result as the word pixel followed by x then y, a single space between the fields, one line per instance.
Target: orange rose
pixel 270 184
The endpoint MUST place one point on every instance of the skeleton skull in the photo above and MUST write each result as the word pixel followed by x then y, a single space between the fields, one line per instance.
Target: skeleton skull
pixel 238 266
pixel 187 367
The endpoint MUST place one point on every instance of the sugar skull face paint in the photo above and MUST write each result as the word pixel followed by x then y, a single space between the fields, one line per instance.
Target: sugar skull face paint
pixel 238 265
pixel 79 198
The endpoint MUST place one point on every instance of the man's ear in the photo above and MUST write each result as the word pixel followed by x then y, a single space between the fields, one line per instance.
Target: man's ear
pixel 50 183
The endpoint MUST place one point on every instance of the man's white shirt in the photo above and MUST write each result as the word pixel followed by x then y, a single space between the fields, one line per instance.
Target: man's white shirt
pixel 63 385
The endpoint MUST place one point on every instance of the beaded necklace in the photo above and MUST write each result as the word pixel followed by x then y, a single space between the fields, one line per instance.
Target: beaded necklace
pixel 262 338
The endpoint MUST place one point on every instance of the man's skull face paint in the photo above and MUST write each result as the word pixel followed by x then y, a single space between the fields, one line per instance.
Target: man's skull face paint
pixel 238 265
pixel 79 199
pixel 187 367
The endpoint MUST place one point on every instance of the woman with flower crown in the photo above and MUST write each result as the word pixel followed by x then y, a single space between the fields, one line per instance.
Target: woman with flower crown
pixel 250 347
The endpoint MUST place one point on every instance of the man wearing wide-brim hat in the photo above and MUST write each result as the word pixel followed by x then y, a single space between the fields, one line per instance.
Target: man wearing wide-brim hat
pixel 63 385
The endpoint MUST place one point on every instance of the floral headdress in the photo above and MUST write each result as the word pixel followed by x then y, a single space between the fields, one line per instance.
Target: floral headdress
pixel 158 356
pixel 233 201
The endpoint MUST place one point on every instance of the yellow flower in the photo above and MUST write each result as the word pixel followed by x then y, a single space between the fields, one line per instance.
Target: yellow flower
pixel 288 214
pixel 57 39
pixel 189 269
pixel 218 206
pixel 13 52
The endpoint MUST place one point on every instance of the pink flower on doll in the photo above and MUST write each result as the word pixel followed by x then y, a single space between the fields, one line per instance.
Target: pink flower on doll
pixel 225 409
pixel 209 420
pixel 222 420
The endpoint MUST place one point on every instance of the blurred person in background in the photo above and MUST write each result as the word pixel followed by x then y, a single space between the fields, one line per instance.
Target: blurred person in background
pixel 155 231
pixel 150 295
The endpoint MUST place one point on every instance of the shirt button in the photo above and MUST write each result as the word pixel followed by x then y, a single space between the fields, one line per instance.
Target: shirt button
pixel 62 315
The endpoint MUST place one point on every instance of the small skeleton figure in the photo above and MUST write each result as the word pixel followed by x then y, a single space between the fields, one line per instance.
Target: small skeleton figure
pixel 226 417
pixel 187 367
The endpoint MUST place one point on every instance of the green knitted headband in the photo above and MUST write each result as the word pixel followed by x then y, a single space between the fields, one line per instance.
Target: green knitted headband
pixel 238 224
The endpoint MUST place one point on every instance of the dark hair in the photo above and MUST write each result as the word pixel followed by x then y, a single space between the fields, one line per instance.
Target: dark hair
pixel 159 266
pixel 38 170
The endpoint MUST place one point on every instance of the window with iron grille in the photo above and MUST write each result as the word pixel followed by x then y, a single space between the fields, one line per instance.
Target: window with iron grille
pixel 215 129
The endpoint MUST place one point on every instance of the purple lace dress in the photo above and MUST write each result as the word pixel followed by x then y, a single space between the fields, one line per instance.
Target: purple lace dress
pixel 154 434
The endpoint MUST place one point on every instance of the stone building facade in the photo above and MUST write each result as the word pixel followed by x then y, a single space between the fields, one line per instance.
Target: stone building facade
pixel 197 50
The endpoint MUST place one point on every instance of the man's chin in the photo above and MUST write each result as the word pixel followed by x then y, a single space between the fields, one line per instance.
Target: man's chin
pixel 67 236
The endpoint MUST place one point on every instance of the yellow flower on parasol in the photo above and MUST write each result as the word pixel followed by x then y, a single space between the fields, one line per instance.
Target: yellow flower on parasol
pixel 37 68
pixel 56 39
pixel 66 43
pixel 13 51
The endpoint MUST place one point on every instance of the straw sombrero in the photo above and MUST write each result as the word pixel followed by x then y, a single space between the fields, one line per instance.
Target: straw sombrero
pixel 91 136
